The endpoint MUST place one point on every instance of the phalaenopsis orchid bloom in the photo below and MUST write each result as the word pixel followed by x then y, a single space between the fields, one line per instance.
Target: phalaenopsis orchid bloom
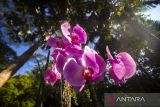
pixel 80 66
pixel 51 76
pixel 75 35
pixel 122 67
pixel 91 68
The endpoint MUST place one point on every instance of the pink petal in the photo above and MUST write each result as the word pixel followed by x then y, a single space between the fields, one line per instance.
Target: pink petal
pixel 100 61
pixel 73 73
pixel 81 33
pixel 129 64
pixel 60 61
pixel 99 76
pixel 54 53
pixel 89 60
pixel 50 77
pixel 65 27
pixel 65 41
pixel 117 72
pixel 74 50
pixel 52 41
pixel 54 69
pixel 58 74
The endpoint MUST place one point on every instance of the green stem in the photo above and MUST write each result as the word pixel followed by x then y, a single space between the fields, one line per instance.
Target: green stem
pixel 93 95
pixel 41 86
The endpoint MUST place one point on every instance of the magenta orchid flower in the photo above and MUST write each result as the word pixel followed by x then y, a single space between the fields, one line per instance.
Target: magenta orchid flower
pixel 122 67
pixel 91 69
pixel 51 76
pixel 77 35
pixel 94 65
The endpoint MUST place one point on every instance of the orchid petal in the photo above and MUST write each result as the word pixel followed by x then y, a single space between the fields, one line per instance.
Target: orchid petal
pixel 117 71
pixel 54 53
pixel 52 41
pixel 81 33
pixel 60 61
pixel 58 75
pixel 65 27
pixel 66 41
pixel 50 77
pixel 98 77
pixel 100 62
pixel 73 73
pixel 74 50
pixel 89 60
pixel 129 64
pixel 54 69
pixel 102 66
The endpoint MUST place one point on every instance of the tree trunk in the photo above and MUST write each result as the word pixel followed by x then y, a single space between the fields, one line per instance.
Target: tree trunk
pixel 66 95
pixel 8 72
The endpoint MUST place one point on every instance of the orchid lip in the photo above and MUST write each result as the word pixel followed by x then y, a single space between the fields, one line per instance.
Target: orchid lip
pixel 88 73
pixel 74 37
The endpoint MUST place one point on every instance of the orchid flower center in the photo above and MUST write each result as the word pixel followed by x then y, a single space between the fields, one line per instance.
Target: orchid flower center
pixel 53 76
pixel 74 38
pixel 88 73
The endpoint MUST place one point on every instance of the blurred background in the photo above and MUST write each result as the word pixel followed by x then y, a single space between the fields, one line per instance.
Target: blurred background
pixel 124 25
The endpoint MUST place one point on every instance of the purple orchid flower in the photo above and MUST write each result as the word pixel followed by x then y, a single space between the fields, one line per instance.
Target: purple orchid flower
pixel 51 76
pixel 91 69
pixel 122 67
pixel 77 35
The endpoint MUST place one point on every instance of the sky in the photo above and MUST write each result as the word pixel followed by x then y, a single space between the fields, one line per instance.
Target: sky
pixel 29 65
pixel 152 13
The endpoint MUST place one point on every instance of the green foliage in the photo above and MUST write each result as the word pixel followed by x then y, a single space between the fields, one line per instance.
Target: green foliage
pixel 74 97
pixel 18 92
